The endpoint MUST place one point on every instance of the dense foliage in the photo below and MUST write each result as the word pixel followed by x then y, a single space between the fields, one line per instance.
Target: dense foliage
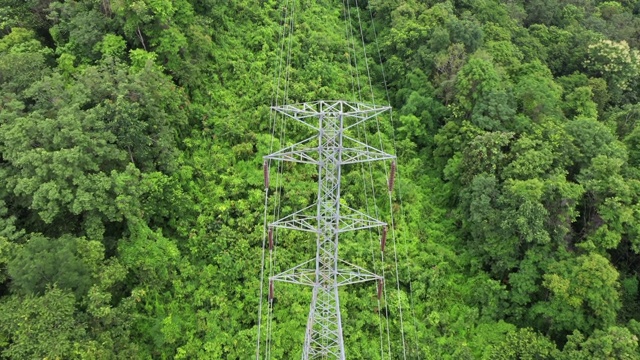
pixel 131 144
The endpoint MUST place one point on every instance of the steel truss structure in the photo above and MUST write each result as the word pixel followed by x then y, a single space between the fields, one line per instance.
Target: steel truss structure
pixel 329 149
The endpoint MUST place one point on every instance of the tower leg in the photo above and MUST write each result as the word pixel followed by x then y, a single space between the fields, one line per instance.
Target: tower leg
pixel 323 339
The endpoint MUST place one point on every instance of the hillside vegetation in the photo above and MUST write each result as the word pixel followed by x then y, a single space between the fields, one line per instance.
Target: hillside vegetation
pixel 131 194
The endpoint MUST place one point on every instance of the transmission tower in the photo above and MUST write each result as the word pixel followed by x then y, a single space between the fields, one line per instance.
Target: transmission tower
pixel 331 147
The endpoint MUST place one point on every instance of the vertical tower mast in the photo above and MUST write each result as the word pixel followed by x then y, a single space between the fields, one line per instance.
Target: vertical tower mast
pixel 328 150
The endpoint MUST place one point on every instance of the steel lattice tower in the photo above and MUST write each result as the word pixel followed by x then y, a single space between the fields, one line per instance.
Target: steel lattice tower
pixel 329 149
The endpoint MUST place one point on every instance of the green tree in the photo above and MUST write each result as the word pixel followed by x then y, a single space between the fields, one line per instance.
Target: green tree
pixel 69 263
pixel 617 63
pixel 40 326
pixel 610 343
pixel 476 80
pixel 548 12
pixel 537 94
pixel 77 28
pixel 23 60
pixel 583 295
pixel 524 344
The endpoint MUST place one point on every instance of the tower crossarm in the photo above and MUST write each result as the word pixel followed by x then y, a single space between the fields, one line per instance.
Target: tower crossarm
pixel 308 113
pixel 352 152
pixel 300 153
pixel 300 274
pixel 352 274
pixel 356 220
pixel 304 220
pixel 354 156
pixel 346 274
pixel 357 152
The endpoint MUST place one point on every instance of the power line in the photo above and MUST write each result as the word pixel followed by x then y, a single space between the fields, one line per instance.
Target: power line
pixel 329 148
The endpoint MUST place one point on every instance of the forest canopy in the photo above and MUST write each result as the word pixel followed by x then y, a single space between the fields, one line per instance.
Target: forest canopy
pixel 132 134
